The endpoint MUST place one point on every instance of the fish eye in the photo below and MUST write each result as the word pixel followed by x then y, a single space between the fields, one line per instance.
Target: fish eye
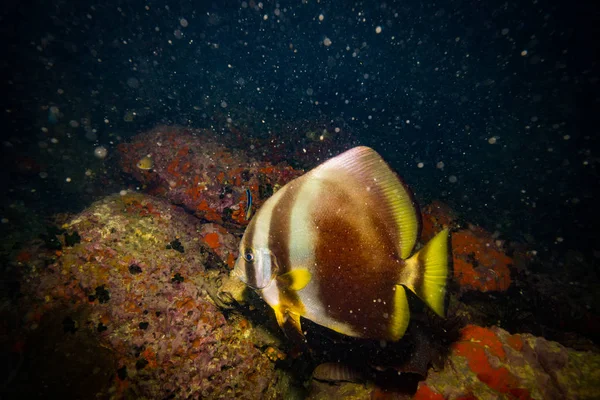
pixel 249 256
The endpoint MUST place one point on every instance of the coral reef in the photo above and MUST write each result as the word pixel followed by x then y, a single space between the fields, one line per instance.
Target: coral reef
pixel 221 241
pixel 194 169
pixel 485 363
pixel 491 363
pixel 435 217
pixel 129 277
pixel 479 263
pixel 133 298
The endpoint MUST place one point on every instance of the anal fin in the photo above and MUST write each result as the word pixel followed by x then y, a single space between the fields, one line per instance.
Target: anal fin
pixel 401 315
pixel 289 322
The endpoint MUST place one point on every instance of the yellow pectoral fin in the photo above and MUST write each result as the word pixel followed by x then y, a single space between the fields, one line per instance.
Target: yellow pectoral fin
pixel 295 280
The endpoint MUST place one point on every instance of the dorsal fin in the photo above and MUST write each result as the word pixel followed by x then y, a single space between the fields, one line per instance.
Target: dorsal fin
pixel 364 168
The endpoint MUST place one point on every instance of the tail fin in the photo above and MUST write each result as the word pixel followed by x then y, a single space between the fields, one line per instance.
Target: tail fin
pixel 427 272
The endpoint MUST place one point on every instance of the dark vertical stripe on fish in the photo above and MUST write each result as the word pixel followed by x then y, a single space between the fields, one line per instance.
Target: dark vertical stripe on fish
pixel 250 267
pixel 419 275
pixel 279 230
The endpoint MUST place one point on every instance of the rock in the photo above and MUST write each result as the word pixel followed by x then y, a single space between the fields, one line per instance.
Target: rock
pixel 134 287
pixel 192 168
pixel 435 217
pixel 479 263
pixel 490 363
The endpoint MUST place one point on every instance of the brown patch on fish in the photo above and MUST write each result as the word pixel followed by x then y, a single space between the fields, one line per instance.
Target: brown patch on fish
pixel 279 230
pixel 357 267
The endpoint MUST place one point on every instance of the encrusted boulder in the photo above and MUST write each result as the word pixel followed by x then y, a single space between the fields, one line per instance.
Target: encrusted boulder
pixel 125 296
pixel 490 363
pixel 193 168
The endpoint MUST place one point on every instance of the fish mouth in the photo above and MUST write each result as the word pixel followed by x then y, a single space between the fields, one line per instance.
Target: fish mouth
pixel 238 273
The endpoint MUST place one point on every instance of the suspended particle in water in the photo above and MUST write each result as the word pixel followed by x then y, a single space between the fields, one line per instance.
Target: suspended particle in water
pixel 378 29
pixel 420 165
pixel 492 140
pixel 178 34
pixel 452 179
pixel 321 17
pixel 133 83
pixel 440 165
pixel 100 152
pixel 327 42
pixel 183 22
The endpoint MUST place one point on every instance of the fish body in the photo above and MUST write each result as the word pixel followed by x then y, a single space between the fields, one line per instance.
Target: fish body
pixel 145 163
pixel 248 204
pixel 334 246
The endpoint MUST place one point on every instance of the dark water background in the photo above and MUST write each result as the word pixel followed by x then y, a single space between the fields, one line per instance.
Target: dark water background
pixel 441 82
